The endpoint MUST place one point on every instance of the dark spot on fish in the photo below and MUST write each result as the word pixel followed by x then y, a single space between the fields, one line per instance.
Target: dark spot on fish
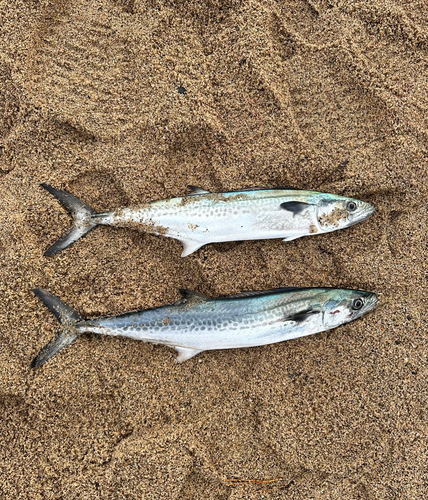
pixel 181 90
pixel 296 207
pixel 409 317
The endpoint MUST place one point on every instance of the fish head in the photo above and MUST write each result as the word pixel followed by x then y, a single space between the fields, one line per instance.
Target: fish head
pixel 337 212
pixel 343 306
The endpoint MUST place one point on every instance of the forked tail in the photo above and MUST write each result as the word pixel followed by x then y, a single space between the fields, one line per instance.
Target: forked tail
pixel 83 221
pixel 68 318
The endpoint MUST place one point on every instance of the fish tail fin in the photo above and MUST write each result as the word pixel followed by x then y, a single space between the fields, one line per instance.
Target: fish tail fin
pixel 68 318
pixel 83 220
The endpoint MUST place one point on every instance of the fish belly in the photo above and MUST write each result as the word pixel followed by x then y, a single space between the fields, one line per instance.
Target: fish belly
pixel 208 221
pixel 229 223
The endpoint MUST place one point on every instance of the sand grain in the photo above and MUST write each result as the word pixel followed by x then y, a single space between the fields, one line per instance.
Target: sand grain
pixel 324 95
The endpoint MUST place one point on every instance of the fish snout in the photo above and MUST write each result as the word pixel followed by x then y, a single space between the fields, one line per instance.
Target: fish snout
pixel 368 208
pixel 369 301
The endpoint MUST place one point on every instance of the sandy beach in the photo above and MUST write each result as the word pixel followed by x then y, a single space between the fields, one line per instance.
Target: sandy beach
pixel 125 101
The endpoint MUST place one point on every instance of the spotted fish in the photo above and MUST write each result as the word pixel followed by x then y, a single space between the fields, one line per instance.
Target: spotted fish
pixel 196 323
pixel 203 217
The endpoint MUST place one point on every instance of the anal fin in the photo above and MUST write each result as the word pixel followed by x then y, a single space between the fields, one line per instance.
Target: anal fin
pixel 190 246
pixel 291 238
pixel 184 353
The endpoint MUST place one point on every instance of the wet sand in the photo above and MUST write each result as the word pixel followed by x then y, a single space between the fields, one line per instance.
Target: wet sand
pixel 123 102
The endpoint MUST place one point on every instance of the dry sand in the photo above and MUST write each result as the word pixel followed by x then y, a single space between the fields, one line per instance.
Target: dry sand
pixel 327 95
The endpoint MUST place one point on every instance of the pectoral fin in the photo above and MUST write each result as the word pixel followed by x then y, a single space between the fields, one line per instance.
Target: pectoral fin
pixel 302 316
pixel 184 353
pixel 296 207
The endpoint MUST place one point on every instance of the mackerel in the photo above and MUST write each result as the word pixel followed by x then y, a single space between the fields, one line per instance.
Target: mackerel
pixel 203 217
pixel 196 323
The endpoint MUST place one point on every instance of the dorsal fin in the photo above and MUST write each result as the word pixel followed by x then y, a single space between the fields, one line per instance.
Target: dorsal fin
pixel 189 296
pixel 284 188
pixel 196 191
pixel 259 293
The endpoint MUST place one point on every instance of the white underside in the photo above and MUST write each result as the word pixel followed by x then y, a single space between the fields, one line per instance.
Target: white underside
pixel 196 226
pixel 190 341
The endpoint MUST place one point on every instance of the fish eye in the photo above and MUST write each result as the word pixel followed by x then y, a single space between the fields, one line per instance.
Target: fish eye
pixel 357 304
pixel 351 206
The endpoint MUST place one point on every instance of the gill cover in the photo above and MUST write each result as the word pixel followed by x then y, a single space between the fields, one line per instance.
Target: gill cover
pixel 338 212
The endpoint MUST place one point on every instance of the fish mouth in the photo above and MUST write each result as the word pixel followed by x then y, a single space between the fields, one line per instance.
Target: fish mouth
pixel 374 301
pixel 370 210
pixel 371 301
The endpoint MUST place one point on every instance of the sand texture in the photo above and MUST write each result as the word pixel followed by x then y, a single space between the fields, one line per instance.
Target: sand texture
pixel 126 101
